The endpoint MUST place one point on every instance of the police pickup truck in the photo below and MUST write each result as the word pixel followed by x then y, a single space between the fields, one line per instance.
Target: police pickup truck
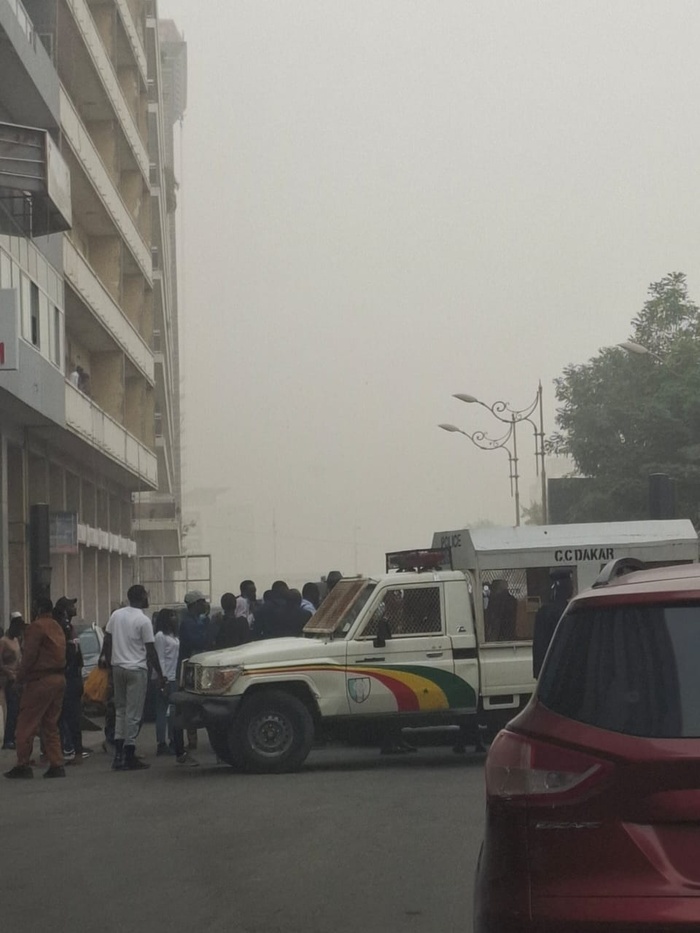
pixel 422 645
pixel 383 653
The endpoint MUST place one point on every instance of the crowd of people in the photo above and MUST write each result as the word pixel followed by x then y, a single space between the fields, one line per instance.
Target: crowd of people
pixel 41 668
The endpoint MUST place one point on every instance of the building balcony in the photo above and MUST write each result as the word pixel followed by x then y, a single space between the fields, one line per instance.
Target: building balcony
pixel 85 283
pixel 137 49
pixel 34 183
pixel 103 66
pixel 88 158
pixel 93 425
pixel 141 526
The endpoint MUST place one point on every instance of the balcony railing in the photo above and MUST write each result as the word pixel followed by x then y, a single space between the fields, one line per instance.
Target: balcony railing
pixel 95 426
pixel 105 69
pixel 24 20
pixel 134 37
pixel 89 158
pixel 85 282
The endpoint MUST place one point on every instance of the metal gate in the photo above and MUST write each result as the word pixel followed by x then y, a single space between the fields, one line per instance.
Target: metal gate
pixel 167 577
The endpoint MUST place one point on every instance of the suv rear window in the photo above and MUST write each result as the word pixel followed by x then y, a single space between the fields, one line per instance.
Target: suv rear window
pixel 629 669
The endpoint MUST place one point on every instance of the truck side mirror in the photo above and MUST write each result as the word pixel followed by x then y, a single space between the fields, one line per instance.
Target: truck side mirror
pixel 383 634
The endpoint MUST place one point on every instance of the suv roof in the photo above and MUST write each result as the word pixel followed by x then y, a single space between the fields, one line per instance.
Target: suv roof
pixel 679 581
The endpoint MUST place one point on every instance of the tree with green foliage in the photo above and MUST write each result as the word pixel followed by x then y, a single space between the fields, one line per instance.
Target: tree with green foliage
pixel 623 416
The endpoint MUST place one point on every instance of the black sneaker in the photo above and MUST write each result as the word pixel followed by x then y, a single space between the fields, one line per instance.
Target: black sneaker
pixel 8 746
pixel 187 759
pixel 163 749
pixel 55 771
pixel 136 764
pixel 19 771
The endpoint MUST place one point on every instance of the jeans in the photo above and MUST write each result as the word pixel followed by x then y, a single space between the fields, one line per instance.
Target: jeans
pixel 71 717
pixel 110 713
pixel 129 698
pixel 12 695
pixel 163 715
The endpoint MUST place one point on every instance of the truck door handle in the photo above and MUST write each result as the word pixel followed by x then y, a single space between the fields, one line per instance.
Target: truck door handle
pixel 370 660
pixel 435 654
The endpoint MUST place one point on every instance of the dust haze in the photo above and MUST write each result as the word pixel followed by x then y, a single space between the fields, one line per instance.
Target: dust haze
pixel 385 202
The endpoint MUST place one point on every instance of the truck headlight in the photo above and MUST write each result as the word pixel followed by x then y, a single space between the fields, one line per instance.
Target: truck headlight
pixel 217 679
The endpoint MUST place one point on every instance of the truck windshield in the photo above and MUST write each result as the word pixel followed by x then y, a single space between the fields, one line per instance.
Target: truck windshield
pixel 340 608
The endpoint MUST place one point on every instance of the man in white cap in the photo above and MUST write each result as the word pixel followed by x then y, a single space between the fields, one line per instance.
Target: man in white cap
pixel 196 635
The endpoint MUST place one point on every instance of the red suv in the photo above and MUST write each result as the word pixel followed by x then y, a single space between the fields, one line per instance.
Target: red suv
pixel 593 791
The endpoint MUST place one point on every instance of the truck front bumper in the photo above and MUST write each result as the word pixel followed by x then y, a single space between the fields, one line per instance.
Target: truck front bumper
pixel 195 711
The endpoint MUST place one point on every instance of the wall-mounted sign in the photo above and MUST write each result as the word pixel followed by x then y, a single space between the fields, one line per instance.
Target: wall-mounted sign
pixel 63 533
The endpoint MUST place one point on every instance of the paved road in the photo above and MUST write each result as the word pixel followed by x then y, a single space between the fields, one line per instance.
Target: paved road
pixel 354 842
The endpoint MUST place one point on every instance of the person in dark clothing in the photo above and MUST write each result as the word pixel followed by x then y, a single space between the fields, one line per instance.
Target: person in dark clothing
pixel 65 610
pixel 310 597
pixel 275 618
pixel 298 616
pixel 501 613
pixel 232 630
pixel 548 616
pixel 332 580
pixel 195 626
pixel 196 634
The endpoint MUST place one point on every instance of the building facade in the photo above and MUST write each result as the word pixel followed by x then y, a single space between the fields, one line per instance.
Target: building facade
pixel 88 347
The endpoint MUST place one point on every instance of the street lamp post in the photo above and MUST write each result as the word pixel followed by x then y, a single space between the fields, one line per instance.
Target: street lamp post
pixel 631 347
pixel 484 442
pixel 514 416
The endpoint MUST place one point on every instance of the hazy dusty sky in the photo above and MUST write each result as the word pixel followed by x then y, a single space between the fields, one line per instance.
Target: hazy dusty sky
pixel 388 201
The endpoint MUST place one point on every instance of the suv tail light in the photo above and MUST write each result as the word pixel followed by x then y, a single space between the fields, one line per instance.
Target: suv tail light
pixel 522 768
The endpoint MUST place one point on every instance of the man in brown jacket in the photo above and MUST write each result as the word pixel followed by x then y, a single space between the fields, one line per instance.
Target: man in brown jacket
pixel 42 676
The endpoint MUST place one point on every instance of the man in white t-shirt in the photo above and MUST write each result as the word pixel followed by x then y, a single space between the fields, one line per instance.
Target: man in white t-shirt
pixel 246 602
pixel 129 649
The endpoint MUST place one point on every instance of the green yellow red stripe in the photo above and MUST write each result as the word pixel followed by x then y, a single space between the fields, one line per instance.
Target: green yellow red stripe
pixel 415 687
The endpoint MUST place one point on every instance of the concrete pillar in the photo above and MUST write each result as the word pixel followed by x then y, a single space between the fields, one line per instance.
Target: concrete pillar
pixel 131 85
pixel 107 383
pixel 103 587
pixel 139 410
pixel 106 260
pixel 115 582
pixel 88 598
pixel 17 510
pixel 133 288
pixel 104 136
pixel 132 192
pixel 147 317
pixel 72 586
pixel 105 17
pixel 4 536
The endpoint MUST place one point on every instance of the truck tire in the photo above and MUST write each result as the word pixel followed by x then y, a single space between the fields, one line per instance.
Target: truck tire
pixel 220 745
pixel 272 733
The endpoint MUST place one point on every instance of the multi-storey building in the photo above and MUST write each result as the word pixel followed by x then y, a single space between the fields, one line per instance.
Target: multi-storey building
pixel 88 423
pixel 158 522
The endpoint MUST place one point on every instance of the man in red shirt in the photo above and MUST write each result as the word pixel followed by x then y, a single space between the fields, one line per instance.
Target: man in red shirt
pixel 42 676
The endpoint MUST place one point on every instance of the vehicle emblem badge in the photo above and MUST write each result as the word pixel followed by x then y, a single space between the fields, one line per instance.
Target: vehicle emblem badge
pixel 359 688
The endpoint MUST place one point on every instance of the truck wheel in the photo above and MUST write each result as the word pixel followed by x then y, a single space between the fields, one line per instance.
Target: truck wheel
pixel 219 741
pixel 273 732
